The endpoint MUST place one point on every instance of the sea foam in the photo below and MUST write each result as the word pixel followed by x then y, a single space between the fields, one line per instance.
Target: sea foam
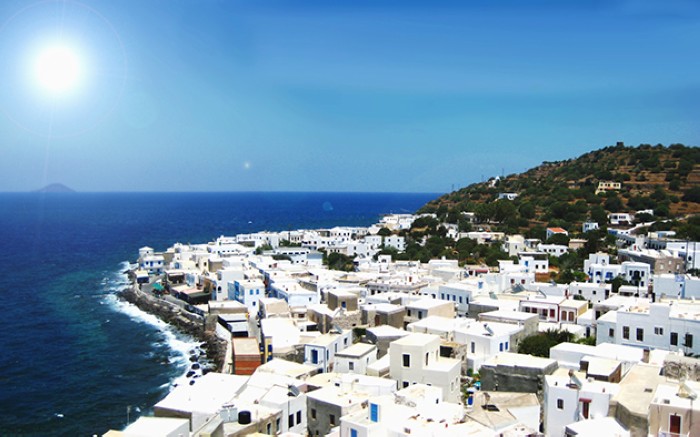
pixel 179 344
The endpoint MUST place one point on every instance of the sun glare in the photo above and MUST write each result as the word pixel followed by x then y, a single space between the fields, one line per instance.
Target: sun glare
pixel 58 69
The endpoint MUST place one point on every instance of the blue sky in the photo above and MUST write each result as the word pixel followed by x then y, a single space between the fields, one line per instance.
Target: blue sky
pixel 339 96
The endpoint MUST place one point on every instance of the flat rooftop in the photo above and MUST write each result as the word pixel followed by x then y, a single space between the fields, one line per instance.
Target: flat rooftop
pixel 356 350
pixel 387 331
pixel 208 393
pixel 508 315
pixel 637 388
pixel 245 346
pixel 520 360
pixel 416 339
pixel 427 304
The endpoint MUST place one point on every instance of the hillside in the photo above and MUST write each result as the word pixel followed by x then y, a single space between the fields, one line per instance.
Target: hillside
pixel 55 188
pixel 563 193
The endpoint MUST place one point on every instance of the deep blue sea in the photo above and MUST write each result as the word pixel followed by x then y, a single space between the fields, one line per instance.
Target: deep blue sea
pixel 73 358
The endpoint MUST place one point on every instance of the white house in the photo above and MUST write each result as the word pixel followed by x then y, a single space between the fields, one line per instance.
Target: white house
pixel 320 352
pixel 485 340
pixel 152 263
pixel 670 325
pixel 555 250
pixel 395 241
pixel 671 410
pixel 459 293
pixel 507 196
pixel 247 292
pixel 513 244
pixel 592 292
pixel 356 358
pixel 294 294
pixel 534 262
pixel 589 226
pixel 681 286
pixel 571 398
pixel 415 359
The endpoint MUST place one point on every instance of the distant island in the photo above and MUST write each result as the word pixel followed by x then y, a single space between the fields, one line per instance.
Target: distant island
pixel 55 188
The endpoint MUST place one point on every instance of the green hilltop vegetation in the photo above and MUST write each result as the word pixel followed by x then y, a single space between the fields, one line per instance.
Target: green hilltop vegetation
pixel 559 194
pixel 563 193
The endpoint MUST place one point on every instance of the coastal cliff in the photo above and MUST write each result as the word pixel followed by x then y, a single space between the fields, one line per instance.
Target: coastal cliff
pixel 191 324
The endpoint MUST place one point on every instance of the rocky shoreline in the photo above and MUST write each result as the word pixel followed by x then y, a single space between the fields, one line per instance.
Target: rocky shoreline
pixel 201 328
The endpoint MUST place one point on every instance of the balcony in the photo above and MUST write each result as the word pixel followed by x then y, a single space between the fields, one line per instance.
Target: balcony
pixel 672 434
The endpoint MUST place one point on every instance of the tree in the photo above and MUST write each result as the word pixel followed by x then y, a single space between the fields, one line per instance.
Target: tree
pixel 692 195
pixel 561 239
pixel 539 344
pixel 464 225
pixel 527 210
pixel 338 261
pixel 613 204
pixel 599 215
pixel 384 232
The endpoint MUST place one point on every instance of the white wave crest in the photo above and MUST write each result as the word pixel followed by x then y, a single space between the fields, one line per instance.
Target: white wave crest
pixel 179 344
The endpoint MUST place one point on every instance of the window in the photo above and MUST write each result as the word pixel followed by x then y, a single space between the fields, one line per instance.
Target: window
pixel 331 419
pixel 313 413
pixel 406 360
pixel 269 428
pixel 290 420
pixel 373 412
pixel 674 339
pixel 426 358
pixel 405 384
pixel 626 332
pixel 552 313
pixel 506 345
pixel 611 332
pixel 688 340
pixel 408 313
pixel 277 424
pixel 298 417
pixel 473 347
pixel 351 365
pixel 560 404
pixel 353 432
pixel 658 330
pixel 640 334
pixel 500 347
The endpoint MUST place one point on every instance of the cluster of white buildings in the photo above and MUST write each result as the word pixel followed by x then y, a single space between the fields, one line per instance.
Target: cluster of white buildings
pixel 394 347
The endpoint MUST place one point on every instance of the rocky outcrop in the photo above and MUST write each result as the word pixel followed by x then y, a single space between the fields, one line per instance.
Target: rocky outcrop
pixel 186 322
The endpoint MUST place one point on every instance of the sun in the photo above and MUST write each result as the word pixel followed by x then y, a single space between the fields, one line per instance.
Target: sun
pixel 58 69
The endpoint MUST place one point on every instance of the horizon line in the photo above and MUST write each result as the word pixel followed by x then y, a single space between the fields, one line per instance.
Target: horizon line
pixel 224 192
